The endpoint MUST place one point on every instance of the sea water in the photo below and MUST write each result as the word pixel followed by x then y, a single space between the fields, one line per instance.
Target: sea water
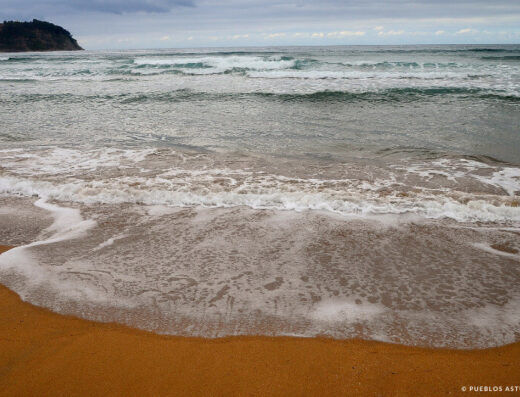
pixel 368 192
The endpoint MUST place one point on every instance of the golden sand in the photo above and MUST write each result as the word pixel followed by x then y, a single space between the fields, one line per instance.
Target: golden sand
pixel 47 354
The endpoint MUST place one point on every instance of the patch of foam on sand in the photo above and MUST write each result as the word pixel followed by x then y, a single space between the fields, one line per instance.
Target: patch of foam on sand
pixel 487 317
pixel 491 250
pixel 109 242
pixel 235 271
pixel 349 311
pixel 68 225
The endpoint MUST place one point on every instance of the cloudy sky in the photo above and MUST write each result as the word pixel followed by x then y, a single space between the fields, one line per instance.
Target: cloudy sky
pixel 110 24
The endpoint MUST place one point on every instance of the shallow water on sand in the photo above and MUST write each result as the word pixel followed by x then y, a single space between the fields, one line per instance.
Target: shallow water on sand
pixel 211 245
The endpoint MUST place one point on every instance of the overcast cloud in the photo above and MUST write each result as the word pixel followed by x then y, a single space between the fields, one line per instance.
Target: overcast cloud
pixel 188 23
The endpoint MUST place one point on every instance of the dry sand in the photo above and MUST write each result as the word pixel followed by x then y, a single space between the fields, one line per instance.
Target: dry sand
pixel 47 354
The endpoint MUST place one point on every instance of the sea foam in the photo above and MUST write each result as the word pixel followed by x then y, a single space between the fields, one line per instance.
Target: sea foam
pixel 148 177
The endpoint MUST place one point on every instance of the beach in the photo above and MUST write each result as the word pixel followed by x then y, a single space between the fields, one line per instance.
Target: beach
pixel 47 354
pixel 340 220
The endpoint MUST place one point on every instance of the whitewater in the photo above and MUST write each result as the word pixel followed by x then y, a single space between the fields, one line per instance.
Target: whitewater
pixel 365 191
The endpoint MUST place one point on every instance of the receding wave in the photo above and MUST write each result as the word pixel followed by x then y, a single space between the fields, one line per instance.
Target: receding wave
pixel 396 95
pixel 491 50
pixel 183 95
pixel 502 58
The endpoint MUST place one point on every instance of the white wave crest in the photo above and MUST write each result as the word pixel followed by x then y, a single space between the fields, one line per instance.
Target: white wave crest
pixel 153 177
pixel 194 191
pixel 219 64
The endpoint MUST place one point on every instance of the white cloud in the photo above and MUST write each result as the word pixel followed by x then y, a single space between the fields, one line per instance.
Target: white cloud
pixel 439 32
pixel 345 33
pixel 391 33
pixel 466 30
pixel 240 36
pixel 165 38
pixel 190 38
pixel 275 35
pixel 318 35
pixel 378 28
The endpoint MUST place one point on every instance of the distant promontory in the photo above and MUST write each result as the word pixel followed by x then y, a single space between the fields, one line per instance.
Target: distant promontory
pixel 35 36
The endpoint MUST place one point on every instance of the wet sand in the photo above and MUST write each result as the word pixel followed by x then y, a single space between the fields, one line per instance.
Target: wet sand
pixel 47 354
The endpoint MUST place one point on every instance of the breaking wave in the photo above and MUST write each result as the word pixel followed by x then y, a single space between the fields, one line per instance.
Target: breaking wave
pixel 395 192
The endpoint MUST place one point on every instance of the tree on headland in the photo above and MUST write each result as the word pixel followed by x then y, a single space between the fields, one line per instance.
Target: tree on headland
pixel 35 36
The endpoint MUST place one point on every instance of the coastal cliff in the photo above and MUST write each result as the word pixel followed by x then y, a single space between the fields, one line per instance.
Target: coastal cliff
pixel 35 36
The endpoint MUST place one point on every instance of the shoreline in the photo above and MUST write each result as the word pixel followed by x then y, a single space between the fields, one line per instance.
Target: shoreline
pixel 45 353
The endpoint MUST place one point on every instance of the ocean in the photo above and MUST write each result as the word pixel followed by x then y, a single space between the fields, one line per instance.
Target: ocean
pixel 349 192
